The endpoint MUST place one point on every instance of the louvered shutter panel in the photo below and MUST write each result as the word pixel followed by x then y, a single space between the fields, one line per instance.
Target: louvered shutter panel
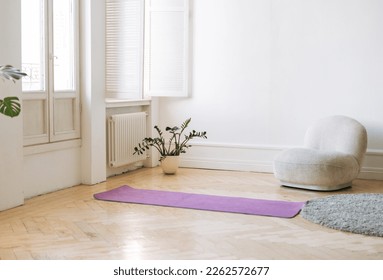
pixel 166 47
pixel 124 48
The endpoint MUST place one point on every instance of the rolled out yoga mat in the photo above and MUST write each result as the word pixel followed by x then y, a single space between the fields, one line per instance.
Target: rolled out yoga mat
pixel 274 208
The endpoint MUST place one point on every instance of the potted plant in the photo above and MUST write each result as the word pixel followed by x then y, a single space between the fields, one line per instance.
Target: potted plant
pixel 171 149
pixel 10 106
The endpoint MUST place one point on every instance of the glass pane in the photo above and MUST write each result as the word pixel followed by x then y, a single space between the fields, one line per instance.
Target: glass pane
pixel 33 48
pixel 63 45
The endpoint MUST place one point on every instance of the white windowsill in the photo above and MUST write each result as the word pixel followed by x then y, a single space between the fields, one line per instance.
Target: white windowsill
pixel 116 103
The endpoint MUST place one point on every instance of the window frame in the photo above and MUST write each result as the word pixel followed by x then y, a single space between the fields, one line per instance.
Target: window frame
pixel 48 97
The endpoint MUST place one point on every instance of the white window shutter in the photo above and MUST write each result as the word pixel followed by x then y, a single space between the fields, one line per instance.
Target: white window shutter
pixel 124 48
pixel 167 48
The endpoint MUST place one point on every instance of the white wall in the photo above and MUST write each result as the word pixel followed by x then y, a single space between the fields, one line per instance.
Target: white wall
pixel 264 70
pixel 11 186
pixel 48 171
pixel 328 55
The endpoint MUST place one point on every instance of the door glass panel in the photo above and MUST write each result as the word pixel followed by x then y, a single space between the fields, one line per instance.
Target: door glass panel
pixel 33 46
pixel 63 45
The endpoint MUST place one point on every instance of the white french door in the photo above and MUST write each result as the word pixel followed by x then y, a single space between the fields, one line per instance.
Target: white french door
pixel 50 44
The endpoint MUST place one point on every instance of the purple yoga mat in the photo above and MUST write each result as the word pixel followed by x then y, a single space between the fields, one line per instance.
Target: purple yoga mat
pixel 283 209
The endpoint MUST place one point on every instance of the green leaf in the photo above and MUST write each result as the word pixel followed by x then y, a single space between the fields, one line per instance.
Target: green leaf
pixel 174 146
pixel 185 123
pixel 172 130
pixel 10 106
pixel 11 73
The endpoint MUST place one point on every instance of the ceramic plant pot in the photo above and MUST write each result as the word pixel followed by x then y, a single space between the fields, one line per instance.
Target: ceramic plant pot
pixel 170 164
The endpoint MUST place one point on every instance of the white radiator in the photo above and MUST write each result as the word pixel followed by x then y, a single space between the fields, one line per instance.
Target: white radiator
pixel 125 131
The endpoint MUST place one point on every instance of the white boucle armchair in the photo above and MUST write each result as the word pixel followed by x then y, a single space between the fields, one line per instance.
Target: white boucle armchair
pixel 334 148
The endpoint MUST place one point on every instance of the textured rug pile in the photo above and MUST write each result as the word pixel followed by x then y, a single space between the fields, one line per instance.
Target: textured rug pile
pixel 357 213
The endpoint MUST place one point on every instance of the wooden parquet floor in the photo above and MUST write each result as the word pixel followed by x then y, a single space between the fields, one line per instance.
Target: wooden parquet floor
pixel 71 224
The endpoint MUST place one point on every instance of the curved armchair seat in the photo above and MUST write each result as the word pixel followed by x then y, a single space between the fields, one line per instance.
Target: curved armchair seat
pixel 315 169
pixel 331 157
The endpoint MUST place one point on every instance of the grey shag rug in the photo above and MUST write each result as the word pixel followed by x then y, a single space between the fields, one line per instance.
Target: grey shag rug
pixel 357 213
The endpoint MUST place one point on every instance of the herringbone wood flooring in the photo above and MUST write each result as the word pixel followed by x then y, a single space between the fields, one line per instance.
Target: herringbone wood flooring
pixel 71 224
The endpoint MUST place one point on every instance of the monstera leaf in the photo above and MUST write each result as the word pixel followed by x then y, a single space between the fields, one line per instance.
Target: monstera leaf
pixel 11 73
pixel 10 106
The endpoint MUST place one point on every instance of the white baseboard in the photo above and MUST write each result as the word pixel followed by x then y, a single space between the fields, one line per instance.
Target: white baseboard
pixel 259 158
pixel 372 167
